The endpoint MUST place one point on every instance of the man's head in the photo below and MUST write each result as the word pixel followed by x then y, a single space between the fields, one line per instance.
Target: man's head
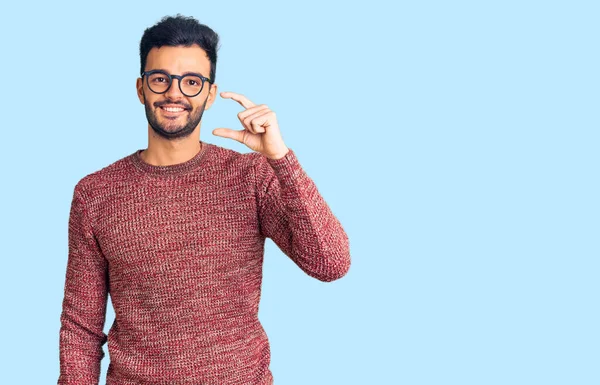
pixel 177 45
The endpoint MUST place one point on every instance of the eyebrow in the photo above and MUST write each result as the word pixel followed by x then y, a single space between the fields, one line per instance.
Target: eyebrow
pixel 185 73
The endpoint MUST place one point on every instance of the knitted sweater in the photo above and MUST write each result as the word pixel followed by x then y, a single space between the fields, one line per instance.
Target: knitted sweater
pixel 180 249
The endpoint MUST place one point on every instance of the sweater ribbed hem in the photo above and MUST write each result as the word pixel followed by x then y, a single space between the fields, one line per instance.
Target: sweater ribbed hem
pixel 287 168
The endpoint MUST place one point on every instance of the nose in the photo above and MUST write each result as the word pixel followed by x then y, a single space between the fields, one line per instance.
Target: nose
pixel 174 92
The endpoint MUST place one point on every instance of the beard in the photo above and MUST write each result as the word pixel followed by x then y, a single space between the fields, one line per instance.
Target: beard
pixel 172 128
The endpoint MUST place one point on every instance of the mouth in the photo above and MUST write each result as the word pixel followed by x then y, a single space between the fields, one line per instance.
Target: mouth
pixel 173 111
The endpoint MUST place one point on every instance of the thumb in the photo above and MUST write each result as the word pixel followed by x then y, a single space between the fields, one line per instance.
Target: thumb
pixel 228 133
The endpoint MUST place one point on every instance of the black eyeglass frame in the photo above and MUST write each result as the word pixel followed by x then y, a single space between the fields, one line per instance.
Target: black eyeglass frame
pixel 179 77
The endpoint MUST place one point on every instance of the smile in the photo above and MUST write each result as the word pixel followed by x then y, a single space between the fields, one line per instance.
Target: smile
pixel 172 110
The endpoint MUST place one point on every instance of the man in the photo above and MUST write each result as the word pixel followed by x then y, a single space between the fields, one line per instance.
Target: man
pixel 175 233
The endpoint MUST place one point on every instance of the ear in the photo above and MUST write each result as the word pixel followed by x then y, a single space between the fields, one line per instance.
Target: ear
pixel 212 95
pixel 139 85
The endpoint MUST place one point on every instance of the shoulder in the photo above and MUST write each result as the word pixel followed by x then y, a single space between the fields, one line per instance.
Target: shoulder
pixel 226 159
pixel 96 180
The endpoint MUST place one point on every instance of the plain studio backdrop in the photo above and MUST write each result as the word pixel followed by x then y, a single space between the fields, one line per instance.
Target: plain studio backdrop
pixel 457 143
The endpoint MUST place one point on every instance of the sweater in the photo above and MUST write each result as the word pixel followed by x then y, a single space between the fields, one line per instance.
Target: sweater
pixel 180 250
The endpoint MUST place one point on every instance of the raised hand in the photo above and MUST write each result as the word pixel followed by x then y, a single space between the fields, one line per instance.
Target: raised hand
pixel 261 131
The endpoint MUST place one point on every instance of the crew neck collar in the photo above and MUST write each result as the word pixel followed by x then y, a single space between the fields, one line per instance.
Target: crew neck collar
pixel 172 169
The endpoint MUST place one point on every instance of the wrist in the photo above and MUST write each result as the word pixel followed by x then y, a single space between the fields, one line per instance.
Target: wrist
pixel 280 155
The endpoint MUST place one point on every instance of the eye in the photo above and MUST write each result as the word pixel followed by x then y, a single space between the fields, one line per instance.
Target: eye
pixel 192 82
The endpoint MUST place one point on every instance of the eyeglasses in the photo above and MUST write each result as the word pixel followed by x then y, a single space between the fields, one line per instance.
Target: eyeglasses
pixel 160 81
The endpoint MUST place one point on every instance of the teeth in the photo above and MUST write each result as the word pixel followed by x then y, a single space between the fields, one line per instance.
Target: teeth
pixel 173 109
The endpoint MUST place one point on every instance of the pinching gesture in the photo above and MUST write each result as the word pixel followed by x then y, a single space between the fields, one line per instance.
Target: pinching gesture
pixel 261 131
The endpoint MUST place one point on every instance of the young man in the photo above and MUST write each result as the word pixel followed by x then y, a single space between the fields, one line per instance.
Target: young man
pixel 175 233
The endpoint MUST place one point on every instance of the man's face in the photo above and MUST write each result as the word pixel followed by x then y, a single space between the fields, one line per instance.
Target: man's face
pixel 177 61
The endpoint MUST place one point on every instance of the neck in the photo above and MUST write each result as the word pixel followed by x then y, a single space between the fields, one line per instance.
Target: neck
pixel 165 153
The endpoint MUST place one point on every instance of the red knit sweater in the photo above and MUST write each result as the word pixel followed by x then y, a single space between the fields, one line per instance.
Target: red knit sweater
pixel 180 250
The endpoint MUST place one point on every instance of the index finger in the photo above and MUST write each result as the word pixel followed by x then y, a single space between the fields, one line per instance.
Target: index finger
pixel 244 101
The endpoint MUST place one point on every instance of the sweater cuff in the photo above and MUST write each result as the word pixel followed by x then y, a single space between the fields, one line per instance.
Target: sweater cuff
pixel 287 168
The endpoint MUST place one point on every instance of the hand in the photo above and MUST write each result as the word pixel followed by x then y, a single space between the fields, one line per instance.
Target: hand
pixel 261 131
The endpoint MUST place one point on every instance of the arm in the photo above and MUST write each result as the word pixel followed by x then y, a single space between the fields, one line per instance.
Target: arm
pixel 84 303
pixel 295 216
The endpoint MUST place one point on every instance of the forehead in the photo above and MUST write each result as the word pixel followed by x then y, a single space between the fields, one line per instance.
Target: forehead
pixel 178 59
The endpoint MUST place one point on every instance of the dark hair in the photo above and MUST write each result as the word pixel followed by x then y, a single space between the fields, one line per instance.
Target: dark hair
pixel 180 30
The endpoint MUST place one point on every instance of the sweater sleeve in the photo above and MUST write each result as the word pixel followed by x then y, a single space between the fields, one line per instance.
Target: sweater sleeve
pixel 295 216
pixel 84 304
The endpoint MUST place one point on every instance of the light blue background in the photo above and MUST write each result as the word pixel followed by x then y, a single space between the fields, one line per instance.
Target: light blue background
pixel 457 142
